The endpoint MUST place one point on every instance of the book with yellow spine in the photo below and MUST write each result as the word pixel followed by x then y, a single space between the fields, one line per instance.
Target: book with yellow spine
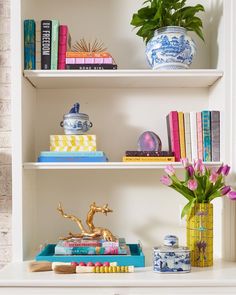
pixel 78 148
pixel 82 137
pixel 148 159
pixel 182 135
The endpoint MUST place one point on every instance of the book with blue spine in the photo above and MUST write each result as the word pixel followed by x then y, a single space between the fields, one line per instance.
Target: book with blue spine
pixel 72 154
pixel 206 135
pixel 29 44
pixel 70 159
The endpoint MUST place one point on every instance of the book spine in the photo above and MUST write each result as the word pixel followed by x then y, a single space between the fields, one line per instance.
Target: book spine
pixel 29 44
pixel 181 135
pixel 148 159
pixel 193 128
pixel 148 154
pixel 54 44
pixel 187 133
pixel 85 137
pixel 38 45
pixel 89 60
pixel 206 131
pixel 80 148
pixel 72 154
pixel 174 134
pixel 90 251
pixel 199 136
pixel 91 67
pixel 81 244
pixel 215 135
pixel 69 159
pixel 46 36
pixel 72 54
pixel 63 41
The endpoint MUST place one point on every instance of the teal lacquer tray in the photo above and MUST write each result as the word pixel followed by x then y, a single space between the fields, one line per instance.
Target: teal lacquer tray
pixel 136 258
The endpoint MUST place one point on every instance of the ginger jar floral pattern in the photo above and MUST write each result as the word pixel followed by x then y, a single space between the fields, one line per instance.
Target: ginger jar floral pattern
pixel 170 48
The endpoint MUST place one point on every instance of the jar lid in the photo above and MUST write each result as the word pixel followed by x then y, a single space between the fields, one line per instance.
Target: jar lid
pixel 77 116
pixel 171 241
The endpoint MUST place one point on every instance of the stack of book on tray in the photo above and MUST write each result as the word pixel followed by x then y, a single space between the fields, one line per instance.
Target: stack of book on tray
pixel 72 148
pixel 195 135
pixel 77 246
pixel 148 156
pixel 89 61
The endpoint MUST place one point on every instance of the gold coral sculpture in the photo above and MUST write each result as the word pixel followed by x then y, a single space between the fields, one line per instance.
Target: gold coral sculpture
pixel 93 232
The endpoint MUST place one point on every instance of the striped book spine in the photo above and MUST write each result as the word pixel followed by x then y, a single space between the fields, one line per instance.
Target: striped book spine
pixel 38 45
pixel 64 45
pixel 54 44
pixel 193 128
pixel 215 135
pixel 187 132
pixel 174 134
pixel 29 44
pixel 73 148
pixel 206 132
pixel 181 135
pixel 199 136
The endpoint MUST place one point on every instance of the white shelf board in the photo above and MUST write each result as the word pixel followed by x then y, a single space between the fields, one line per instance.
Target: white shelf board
pixel 106 165
pixel 222 274
pixel 54 79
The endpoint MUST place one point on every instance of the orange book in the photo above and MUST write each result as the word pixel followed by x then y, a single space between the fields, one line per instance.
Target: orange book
pixel 87 54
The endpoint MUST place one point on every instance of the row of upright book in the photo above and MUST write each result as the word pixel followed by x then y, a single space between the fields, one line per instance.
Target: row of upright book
pixel 47 46
pixel 195 135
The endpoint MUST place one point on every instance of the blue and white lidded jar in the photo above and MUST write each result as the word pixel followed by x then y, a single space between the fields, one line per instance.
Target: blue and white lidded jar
pixel 171 258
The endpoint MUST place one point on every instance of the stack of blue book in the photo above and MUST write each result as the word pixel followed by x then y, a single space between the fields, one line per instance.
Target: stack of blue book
pixel 96 156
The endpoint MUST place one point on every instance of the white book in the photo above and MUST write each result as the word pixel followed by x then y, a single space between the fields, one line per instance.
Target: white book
pixel 193 131
pixel 187 133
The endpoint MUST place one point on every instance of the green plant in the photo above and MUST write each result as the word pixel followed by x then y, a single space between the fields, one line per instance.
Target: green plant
pixel 162 13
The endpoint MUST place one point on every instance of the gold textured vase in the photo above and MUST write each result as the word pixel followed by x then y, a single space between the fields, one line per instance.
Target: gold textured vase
pixel 200 235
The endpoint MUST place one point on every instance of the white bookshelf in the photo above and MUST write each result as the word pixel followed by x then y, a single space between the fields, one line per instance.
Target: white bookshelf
pixel 122 78
pixel 109 165
pixel 121 104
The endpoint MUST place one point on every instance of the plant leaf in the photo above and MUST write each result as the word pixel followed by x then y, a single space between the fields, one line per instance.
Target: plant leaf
pixel 187 208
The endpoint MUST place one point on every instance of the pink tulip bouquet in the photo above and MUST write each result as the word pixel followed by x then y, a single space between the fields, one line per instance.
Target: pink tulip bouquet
pixel 201 184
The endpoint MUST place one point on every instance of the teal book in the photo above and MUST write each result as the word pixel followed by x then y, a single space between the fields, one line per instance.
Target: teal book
pixel 72 154
pixel 70 159
pixel 206 134
pixel 29 44
pixel 54 44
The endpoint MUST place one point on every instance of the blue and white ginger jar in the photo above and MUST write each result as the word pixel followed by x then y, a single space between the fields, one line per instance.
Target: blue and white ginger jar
pixel 170 48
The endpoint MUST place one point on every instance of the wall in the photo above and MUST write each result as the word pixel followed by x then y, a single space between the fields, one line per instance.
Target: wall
pixel 5 134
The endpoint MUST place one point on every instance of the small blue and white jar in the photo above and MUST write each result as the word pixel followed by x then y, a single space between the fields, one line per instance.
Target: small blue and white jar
pixel 170 48
pixel 171 258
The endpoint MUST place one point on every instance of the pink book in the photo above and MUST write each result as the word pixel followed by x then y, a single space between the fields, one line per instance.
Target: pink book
pixel 174 134
pixel 64 40
pixel 199 136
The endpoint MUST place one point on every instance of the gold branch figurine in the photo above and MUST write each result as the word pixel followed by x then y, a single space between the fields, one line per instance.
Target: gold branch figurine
pixel 93 232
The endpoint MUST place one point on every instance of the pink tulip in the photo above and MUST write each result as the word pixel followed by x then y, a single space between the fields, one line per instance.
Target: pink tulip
pixel 225 170
pixel 213 177
pixel 170 170
pixel 232 195
pixel 225 190
pixel 192 184
pixel 185 162
pixel 190 171
pixel 166 180
pixel 220 169
pixel 197 165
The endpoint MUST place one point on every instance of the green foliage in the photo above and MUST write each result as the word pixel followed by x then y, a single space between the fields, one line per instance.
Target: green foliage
pixel 162 13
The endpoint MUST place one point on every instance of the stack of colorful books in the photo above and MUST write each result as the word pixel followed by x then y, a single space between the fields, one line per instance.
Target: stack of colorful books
pixel 90 61
pixel 76 246
pixel 195 135
pixel 148 156
pixel 72 148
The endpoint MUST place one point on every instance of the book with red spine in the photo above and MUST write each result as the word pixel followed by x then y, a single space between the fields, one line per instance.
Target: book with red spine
pixel 64 45
pixel 199 136
pixel 174 134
